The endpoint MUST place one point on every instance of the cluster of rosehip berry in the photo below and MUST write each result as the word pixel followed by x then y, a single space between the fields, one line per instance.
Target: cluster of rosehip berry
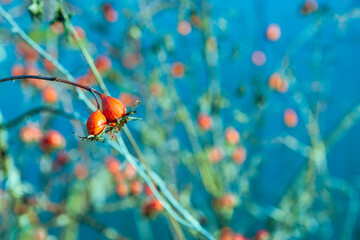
pixel 112 118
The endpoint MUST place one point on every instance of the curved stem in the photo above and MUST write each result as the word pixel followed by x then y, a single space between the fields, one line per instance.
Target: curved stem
pixel 54 79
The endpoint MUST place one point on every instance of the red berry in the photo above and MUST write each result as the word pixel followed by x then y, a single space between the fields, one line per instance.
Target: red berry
pixel 290 118
pixel 205 122
pixel 96 123
pixel 113 108
pixel 49 95
pixel 52 140
pixel 262 235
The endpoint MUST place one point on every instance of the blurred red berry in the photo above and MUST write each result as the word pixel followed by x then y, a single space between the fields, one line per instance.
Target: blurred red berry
pixel 239 155
pixel 184 28
pixel 136 187
pixel 113 165
pixel 232 136
pixel 262 235
pixel 110 14
pixel 122 189
pixel 49 66
pixel 81 171
pixel 273 32
pixel 216 154
pixel 52 140
pixel 30 133
pixel 290 118
pixel 204 121
pixel 128 99
pixel 49 95
pixel 177 70
pixel 17 70
pixel 103 63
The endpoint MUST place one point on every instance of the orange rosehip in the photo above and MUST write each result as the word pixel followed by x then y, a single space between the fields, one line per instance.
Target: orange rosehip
pixel 80 33
pixel 127 98
pixel 239 155
pixel 49 95
pixel 232 136
pixel 122 189
pixel 148 190
pixel 113 108
pixel 113 165
pixel 177 70
pixel 57 27
pixel 226 234
pixel 40 234
pixel 216 154
pixel 96 123
pixel 228 200
pixel 136 187
pixel 238 236
pixel 52 140
pixel 276 82
pixel 309 7
pixel 17 70
pixel 103 64
pixel 129 171
pixel 204 121
pixel 152 207
pixel 62 158
pixel 49 66
pixel 30 133
pixel 184 28
pixel 290 118
pixel 258 58
pixel 273 32
pixel 28 52
pixel 262 235
pixel 81 171
pixel 110 14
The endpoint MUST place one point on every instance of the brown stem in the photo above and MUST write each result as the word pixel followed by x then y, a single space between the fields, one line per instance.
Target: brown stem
pixel 54 79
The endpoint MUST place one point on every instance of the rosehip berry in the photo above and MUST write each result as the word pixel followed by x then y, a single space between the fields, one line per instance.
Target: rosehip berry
pixel 273 32
pixel 52 140
pixel 81 171
pixel 262 235
pixel 17 70
pixel 216 154
pixel 96 123
pixel 103 64
pixel 184 28
pixel 205 122
pixel 177 70
pixel 122 189
pixel 239 155
pixel 49 95
pixel 113 165
pixel 232 135
pixel 290 118
pixel 30 133
pixel 136 187
pixel 113 108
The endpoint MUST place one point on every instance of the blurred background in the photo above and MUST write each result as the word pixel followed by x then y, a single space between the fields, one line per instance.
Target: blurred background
pixel 249 127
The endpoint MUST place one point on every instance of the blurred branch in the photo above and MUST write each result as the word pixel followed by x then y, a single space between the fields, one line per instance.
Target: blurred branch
pixel 293 144
pixel 347 122
pixel 12 123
